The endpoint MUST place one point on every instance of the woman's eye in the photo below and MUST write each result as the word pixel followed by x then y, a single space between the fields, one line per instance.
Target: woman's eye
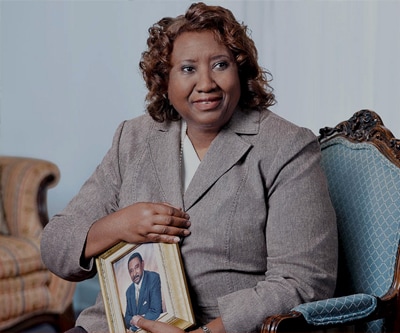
pixel 221 65
pixel 187 69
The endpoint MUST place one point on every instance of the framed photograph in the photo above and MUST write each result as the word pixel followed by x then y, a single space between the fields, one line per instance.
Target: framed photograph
pixel 147 280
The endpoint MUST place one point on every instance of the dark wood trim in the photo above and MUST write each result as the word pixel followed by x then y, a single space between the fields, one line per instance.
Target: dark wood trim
pixel 366 126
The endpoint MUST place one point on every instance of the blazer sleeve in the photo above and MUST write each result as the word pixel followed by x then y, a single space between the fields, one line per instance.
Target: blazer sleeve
pixel 64 237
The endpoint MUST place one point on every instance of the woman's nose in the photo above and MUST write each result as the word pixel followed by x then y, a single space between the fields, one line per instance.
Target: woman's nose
pixel 205 81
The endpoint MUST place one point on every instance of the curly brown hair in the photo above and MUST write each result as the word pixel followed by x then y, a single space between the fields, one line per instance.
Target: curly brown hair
pixel 256 93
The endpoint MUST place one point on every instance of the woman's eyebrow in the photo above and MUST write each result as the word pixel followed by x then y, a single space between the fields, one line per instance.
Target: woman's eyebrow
pixel 219 56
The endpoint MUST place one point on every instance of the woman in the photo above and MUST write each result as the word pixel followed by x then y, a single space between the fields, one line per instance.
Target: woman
pixel 211 165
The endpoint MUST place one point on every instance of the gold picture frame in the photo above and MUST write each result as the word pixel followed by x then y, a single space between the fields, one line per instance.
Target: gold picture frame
pixel 114 279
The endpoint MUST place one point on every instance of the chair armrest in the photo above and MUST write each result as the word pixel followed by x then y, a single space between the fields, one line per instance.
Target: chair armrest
pixel 318 315
pixel 24 184
pixel 338 310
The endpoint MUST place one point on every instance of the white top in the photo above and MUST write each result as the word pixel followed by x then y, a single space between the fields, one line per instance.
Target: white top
pixel 189 159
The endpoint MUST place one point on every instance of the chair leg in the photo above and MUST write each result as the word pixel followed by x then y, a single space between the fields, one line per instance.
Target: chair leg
pixel 66 320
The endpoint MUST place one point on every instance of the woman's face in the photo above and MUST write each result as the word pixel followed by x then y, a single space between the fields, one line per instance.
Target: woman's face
pixel 204 85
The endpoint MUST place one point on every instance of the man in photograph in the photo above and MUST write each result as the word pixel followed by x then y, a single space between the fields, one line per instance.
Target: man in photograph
pixel 143 296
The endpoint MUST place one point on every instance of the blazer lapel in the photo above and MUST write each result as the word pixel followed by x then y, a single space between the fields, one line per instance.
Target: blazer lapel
pixel 142 292
pixel 164 147
pixel 225 151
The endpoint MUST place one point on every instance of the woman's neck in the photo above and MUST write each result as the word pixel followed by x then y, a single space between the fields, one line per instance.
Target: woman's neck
pixel 201 140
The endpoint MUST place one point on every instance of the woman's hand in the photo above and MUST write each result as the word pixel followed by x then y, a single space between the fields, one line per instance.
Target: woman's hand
pixel 152 222
pixel 155 326
pixel 142 222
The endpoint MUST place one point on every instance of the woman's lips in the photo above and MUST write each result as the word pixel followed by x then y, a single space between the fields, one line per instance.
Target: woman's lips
pixel 207 104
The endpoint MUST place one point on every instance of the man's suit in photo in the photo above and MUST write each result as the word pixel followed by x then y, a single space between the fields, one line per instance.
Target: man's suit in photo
pixel 149 304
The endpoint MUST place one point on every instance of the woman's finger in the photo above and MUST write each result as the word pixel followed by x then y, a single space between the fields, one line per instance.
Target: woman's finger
pixel 168 230
pixel 173 221
pixel 167 209
pixel 158 238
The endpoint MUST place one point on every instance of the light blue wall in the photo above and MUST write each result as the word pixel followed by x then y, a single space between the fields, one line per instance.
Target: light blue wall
pixel 69 76
pixel 69 70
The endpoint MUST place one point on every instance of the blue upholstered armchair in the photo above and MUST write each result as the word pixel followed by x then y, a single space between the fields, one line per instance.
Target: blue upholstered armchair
pixel 361 159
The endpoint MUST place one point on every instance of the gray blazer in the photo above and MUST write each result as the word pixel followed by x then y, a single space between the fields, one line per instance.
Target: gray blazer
pixel 263 228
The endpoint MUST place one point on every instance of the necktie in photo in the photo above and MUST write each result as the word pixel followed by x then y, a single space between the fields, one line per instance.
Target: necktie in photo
pixel 137 294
